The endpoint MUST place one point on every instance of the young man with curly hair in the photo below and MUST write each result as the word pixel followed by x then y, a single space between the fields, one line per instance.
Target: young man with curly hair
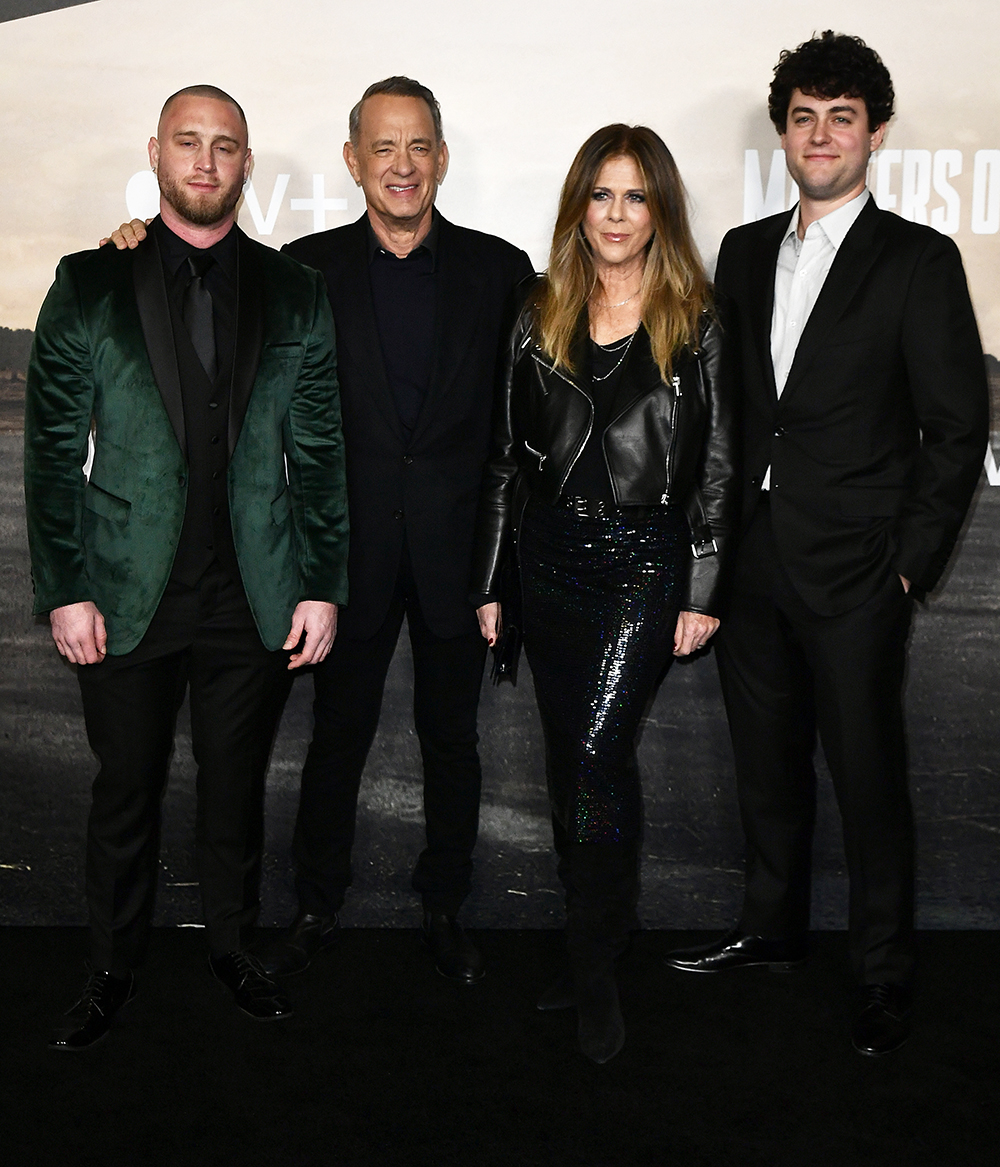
pixel 864 427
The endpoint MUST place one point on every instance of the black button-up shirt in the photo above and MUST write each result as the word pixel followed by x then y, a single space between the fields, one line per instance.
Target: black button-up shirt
pixel 220 281
pixel 404 294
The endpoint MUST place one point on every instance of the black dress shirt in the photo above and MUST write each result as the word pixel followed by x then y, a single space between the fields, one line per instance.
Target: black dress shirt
pixel 220 281
pixel 589 477
pixel 404 295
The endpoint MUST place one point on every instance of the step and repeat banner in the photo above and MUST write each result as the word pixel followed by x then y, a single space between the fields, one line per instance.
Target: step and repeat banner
pixel 521 85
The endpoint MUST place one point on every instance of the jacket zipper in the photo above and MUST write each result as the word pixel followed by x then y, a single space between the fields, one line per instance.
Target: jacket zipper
pixel 590 424
pixel 674 409
pixel 538 454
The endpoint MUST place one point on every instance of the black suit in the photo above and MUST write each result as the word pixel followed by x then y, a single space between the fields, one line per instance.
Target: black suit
pixel 875 447
pixel 412 499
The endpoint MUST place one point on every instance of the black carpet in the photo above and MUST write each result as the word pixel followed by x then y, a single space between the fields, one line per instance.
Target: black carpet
pixel 385 1063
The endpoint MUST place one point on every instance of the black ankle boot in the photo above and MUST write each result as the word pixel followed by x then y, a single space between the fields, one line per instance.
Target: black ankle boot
pixel 600 1027
pixel 601 885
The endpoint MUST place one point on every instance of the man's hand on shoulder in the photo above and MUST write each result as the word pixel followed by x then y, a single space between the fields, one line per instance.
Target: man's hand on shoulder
pixel 79 633
pixel 317 621
pixel 128 234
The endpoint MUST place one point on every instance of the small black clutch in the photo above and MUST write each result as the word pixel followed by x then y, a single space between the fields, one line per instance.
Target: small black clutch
pixel 506 654
pixel 507 650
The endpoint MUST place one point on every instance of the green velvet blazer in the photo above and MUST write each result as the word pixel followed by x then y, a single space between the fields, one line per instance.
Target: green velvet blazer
pixel 103 363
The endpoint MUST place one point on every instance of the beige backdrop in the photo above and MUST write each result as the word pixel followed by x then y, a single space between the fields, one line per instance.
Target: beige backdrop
pixel 521 84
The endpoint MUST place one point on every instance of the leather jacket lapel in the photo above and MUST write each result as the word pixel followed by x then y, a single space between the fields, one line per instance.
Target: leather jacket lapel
pixel 154 313
pixel 579 355
pixel 249 334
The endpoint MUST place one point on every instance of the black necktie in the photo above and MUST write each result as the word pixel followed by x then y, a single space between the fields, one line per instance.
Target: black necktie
pixel 199 317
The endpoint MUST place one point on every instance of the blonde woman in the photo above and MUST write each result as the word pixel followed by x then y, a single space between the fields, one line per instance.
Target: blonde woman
pixel 613 475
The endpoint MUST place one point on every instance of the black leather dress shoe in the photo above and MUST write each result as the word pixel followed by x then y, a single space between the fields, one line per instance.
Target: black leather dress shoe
pixel 736 950
pixel 454 954
pixel 883 1023
pixel 254 992
pixel 307 937
pixel 90 1018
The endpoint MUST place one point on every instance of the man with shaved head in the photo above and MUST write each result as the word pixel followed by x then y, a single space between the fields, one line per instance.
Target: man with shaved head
pixel 206 551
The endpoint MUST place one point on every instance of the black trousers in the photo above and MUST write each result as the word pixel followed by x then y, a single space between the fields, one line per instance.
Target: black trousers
pixel 203 638
pixel 787 672
pixel 447 677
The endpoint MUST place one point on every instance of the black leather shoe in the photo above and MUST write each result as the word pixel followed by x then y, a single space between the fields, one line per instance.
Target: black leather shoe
pixel 254 992
pixel 90 1018
pixel 735 950
pixel 884 1021
pixel 307 937
pixel 561 994
pixel 454 954
pixel 600 1028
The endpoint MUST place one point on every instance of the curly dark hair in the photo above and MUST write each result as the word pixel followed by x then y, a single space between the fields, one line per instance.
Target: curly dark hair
pixel 828 66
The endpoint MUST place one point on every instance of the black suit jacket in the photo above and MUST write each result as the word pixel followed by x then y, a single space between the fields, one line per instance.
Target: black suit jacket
pixel 877 441
pixel 425 487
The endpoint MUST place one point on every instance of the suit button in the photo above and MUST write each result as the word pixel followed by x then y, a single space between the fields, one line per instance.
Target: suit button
pixel 407 460
pixel 215 440
pixel 779 431
pixel 397 514
pixel 215 510
pixel 215 474
pixel 213 405
pixel 181 480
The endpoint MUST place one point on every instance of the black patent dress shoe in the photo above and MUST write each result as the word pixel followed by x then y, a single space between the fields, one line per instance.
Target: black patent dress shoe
pixel 254 992
pixel 600 1028
pixel 454 954
pixel 90 1018
pixel 883 1023
pixel 307 937
pixel 736 950
pixel 561 994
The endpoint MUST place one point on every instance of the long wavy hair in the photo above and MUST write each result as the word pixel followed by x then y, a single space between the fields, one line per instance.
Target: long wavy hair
pixel 674 288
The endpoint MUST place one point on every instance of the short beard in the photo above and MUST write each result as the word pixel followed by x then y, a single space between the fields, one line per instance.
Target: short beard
pixel 197 212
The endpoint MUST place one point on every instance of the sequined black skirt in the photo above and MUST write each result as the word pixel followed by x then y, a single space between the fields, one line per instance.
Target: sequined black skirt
pixel 601 599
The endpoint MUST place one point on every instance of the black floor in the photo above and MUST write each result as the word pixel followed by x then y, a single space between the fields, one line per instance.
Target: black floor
pixel 385 1063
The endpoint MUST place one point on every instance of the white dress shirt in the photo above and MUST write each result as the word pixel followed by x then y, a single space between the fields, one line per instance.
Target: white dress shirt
pixel 799 275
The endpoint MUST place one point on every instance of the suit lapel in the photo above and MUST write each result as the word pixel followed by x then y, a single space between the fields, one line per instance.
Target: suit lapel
pixel 249 333
pixel 357 329
pixel 761 293
pixel 154 313
pixel 855 257
pixel 458 290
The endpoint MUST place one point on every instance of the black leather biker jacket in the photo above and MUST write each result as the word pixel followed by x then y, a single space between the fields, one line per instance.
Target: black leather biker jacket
pixel 667 442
